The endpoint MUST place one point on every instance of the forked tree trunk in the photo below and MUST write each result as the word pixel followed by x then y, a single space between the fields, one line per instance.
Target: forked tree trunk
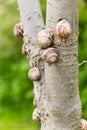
pixel 56 94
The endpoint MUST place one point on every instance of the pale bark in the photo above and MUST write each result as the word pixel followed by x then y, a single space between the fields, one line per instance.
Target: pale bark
pixel 32 20
pixel 60 107
pixel 62 101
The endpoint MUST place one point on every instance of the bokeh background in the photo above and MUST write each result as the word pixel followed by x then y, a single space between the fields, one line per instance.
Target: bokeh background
pixel 16 90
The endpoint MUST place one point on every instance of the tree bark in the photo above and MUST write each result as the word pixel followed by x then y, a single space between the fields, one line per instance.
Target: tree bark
pixel 62 101
pixel 32 21
pixel 56 94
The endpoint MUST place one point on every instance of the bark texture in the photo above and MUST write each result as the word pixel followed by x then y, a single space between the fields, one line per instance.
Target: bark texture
pixel 56 94
pixel 32 20
pixel 62 102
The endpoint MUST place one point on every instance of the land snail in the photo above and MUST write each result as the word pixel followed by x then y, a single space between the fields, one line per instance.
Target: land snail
pixel 45 38
pixel 18 30
pixel 83 124
pixel 50 55
pixel 36 115
pixel 63 28
pixel 34 74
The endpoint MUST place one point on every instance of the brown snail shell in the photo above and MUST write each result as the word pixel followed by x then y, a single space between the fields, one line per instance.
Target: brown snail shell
pixel 34 74
pixel 63 29
pixel 45 38
pixel 18 30
pixel 50 55
pixel 83 124
pixel 36 115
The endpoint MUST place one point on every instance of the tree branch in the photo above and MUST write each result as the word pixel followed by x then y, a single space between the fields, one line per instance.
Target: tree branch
pixel 32 20
pixel 63 101
pixel 83 62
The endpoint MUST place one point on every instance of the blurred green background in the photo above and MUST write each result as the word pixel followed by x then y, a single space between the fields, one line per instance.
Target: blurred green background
pixel 16 90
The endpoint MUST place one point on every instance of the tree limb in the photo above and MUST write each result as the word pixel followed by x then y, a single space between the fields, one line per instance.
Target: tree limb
pixel 63 101
pixel 32 21
pixel 83 62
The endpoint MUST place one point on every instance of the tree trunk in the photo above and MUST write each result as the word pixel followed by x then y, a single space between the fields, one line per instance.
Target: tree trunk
pixel 32 21
pixel 56 94
pixel 63 103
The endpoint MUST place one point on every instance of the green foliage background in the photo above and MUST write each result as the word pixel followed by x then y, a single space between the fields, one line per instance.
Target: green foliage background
pixel 16 90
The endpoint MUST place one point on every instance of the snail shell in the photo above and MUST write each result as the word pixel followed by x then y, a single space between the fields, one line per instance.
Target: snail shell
pixel 63 29
pixel 36 115
pixel 34 74
pixel 83 124
pixel 50 55
pixel 18 30
pixel 45 38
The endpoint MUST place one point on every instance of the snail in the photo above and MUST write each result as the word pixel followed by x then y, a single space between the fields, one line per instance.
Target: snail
pixel 50 55
pixel 45 38
pixel 36 115
pixel 63 29
pixel 34 74
pixel 18 30
pixel 83 124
